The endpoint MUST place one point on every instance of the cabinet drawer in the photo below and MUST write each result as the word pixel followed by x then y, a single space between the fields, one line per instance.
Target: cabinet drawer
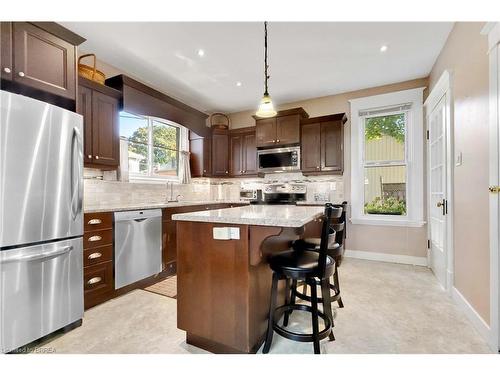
pixel 98 279
pixel 97 255
pixel 98 221
pixel 97 238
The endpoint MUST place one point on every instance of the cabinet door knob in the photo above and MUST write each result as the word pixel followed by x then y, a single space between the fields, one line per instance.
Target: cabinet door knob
pixel 94 280
pixel 6 70
pixel 89 156
pixel 21 74
pixel 274 141
pixel 278 140
pixel 227 171
pixel 94 238
pixel 317 167
pixel 204 170
pixel 94 221
pixel 97 157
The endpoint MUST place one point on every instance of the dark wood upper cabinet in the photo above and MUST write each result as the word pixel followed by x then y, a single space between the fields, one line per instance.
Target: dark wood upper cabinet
pixel 322 144
pixel 200 155
pixel 6 50
pixel 39 60
pixel 84 108
pixel 288 129
pixel 310 147
pixel 282 130
pixel 249 154
pixel 220 151
pixel 44 61
pixel 99 106
pixel 105 129
pixel 243 152
pixel 332 146
pixel 236 152
pixel 265 132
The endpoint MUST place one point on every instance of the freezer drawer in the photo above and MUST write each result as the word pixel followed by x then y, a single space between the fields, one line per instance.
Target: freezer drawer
pixel 137 246
pixel 41 291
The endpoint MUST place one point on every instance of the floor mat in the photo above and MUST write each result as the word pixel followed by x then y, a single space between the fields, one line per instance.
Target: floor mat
pixel 167 287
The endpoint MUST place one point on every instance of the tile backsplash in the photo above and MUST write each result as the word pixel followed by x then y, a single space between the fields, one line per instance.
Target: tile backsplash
pixel 102 188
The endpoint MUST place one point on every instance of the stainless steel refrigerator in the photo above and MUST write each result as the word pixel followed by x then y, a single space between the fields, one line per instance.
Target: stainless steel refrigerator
pixel 41 219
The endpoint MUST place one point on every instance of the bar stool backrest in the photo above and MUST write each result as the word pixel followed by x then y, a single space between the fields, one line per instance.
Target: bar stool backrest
pixel 330 214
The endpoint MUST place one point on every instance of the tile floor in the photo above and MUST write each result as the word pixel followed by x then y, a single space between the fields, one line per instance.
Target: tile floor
pixel 389 308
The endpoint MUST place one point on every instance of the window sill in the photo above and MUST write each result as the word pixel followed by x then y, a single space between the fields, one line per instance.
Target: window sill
pixel 152 180
pixel 388 222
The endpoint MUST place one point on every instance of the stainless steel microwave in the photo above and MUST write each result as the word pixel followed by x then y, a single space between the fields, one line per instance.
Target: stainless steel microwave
pixel 284 159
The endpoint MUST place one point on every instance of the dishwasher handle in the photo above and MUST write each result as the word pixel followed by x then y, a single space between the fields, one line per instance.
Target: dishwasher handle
pixel 138 215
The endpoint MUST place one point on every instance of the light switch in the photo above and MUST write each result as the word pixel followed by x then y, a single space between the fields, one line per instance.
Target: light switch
pixel 235 233
pixel 221 233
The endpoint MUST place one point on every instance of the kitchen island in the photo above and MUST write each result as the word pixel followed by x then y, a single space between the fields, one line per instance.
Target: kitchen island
pixel 223 278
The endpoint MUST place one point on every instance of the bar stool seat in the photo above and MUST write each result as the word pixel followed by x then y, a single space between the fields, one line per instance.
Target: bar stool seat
pixel 299 264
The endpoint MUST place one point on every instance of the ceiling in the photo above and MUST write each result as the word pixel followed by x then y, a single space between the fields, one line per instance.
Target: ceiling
pixel 307 59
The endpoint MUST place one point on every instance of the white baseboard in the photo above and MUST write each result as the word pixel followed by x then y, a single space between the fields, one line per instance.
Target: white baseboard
pixel 383 257
pixel 476 320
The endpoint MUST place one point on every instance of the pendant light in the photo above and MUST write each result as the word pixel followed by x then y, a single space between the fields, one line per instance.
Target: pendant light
pixel 266 108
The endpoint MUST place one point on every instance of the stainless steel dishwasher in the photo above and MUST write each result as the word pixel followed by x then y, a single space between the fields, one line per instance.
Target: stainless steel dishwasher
pixel 137 246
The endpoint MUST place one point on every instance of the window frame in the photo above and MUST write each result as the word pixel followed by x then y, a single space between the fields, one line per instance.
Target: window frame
pixel 414 156
pixel 183 145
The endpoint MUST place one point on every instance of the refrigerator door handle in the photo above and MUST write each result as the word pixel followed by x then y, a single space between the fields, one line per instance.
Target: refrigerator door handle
pixel 76 196
pixel 29 258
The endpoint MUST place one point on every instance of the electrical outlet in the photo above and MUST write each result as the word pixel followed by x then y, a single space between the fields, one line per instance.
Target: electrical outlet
pixel 458 159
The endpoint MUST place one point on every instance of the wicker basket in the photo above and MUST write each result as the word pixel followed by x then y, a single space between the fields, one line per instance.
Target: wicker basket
pixel 90 72
pixel 218 124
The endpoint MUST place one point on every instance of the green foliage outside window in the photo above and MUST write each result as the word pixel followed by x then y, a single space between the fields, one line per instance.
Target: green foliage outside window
pixel 387 206
pixel 392 126
pixel 165 140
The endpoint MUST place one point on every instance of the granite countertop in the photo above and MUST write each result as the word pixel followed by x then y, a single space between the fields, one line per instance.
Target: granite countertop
pixel 268 215
pixel 147 206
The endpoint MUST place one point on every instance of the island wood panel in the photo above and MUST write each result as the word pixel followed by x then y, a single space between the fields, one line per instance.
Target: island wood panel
pixel 224 286
pixel 213 274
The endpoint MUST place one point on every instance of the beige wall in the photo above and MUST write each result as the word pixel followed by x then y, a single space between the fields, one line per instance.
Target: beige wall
pixel 383 239
pixel 465 56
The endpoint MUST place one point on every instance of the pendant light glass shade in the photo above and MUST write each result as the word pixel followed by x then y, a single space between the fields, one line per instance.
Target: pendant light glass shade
pixel 266 107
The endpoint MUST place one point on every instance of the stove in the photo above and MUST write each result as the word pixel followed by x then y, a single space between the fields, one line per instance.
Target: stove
pixel 288 193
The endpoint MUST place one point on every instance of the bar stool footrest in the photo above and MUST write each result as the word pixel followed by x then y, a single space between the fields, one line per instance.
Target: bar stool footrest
pixel 300 337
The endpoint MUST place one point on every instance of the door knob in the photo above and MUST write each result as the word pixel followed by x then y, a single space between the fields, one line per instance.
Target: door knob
pixel 21 74
pixel 6 70
pixel 494 189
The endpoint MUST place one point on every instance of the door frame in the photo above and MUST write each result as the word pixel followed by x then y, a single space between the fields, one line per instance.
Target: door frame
pixel 492 29
pixel 442 88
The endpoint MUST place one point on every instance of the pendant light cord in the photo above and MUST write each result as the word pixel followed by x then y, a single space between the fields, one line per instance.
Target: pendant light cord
pixel 265 58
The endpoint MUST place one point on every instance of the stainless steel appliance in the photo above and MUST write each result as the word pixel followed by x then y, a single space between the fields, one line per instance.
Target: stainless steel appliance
pixel 137 246
pixel 248 194
pixel 283 193
pixel 41 219
pixel 285 159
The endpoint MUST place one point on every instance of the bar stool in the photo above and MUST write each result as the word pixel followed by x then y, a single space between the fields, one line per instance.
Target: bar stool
pixel 308 266
pixel 335 250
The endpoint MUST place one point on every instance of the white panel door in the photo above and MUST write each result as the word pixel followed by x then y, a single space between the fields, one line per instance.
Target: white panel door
pixel 437 163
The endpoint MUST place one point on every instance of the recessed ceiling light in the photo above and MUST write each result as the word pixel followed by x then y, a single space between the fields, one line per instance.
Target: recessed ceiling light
pixel 383 48
pixel 201 53
pixel 238 83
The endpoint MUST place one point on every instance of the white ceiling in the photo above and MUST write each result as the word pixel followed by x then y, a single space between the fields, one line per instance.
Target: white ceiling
pixel 306 59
